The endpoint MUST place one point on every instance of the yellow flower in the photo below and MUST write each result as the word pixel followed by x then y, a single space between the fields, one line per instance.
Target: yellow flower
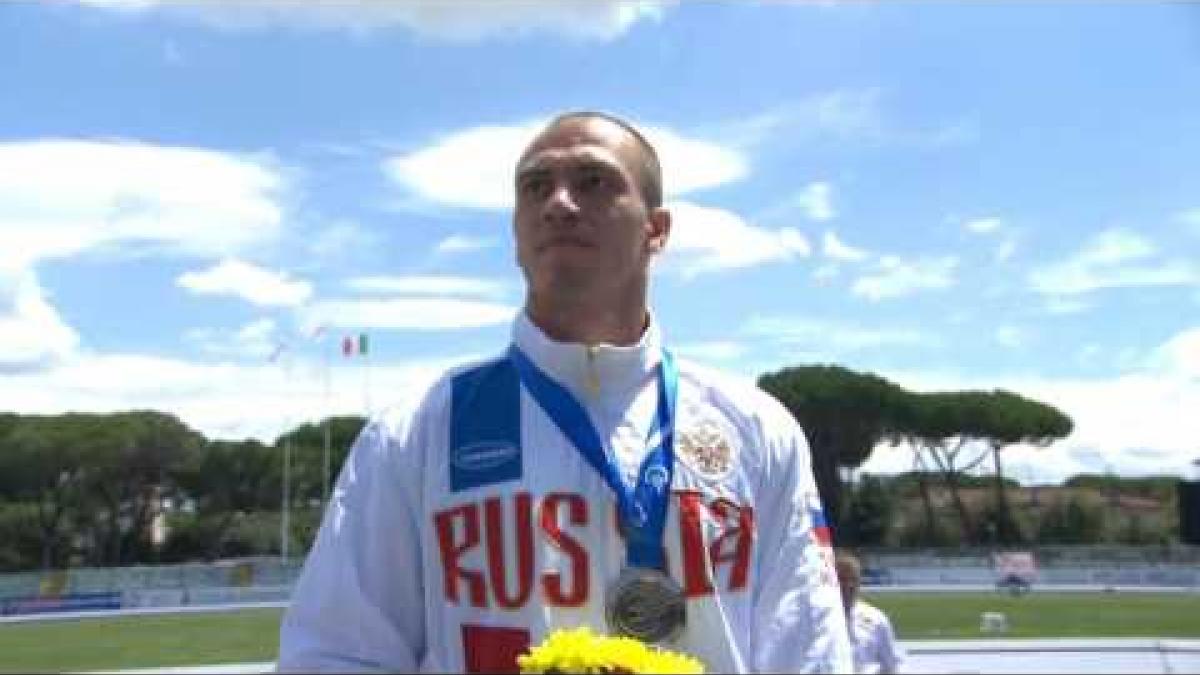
pixel 579 650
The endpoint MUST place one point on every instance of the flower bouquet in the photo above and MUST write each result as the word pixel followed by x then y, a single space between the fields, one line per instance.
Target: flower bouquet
pixel 579 650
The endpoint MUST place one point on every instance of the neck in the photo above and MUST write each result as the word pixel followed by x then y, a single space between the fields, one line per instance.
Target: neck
pixel 590 323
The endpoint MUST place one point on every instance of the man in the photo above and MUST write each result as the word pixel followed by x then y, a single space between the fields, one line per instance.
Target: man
pixel 875 647
pixel 584 478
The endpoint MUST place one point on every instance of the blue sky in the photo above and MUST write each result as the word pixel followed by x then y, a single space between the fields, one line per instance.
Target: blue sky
pixel 950 195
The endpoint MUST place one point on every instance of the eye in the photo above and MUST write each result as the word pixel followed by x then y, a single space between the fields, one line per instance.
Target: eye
pixel 533 186
pixel 591 180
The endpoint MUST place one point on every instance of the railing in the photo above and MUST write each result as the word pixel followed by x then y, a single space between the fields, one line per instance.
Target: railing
pixel 186 578
pixel 268 579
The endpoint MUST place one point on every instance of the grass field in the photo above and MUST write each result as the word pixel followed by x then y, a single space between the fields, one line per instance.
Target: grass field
pixel 141 641
pixel 937 616
pixel 250 635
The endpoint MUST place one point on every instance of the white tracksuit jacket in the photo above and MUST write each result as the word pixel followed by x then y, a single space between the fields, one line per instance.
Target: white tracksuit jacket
pixel 876 650
pixel 464 531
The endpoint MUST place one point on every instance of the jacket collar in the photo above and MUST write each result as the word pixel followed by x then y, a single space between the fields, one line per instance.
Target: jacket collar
pixel 590 371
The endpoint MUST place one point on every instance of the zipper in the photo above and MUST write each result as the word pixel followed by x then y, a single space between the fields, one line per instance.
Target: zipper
pixel 593 377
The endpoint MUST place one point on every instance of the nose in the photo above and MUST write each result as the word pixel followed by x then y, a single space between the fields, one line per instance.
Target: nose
pixel 560 207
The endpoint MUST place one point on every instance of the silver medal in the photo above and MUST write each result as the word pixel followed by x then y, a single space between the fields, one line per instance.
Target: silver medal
pixel 646 604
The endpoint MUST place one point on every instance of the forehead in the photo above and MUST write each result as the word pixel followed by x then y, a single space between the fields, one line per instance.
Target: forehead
pixel 587 140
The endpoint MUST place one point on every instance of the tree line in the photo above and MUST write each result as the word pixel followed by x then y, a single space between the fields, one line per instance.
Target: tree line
pixel 88 489
pixel 846 415
pixel 886 512
pixel 83 489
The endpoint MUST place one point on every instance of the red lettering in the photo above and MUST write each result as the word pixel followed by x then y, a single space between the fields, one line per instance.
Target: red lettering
pixel 452 570
pixel 552 584
pixel 696 578
pixel 494 517
pixel 492 649
pixel 716 541
pixel 739 529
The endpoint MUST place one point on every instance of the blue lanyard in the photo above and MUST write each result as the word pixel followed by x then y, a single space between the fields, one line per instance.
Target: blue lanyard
pixel 642 508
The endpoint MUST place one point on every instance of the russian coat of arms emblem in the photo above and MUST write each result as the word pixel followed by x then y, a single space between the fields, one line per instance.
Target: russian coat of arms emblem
pixel 705 448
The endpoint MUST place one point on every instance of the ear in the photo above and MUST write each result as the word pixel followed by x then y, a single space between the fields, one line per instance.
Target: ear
pixel 658 224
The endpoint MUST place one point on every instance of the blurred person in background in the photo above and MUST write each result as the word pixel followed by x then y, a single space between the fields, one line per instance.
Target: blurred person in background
pixel 875 646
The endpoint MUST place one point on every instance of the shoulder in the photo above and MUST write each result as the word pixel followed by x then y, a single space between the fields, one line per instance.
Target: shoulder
pixel 869 615
pixel 738 396
pixel 425 401
pixel 770 439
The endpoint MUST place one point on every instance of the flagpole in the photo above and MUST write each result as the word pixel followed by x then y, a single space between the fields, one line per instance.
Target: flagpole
pixel 287 477
pixel 281 354
pixel 325 422
pixel 285 507
pixel 366 376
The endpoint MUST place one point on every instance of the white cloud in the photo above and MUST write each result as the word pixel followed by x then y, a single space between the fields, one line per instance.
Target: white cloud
pixel 341 238
pixel 1179 356
pixel 1113 258
pixel 473 168
pixel 429 285
pixel 1116 245
pixel 32 334
pixel 407 313
pixel 995 227
pixel 816 200
pixel 1088 355
pixel 1065 305
pixel 1006 249
pixel 61 197
pixel 895 277
pixel 705 239
pixel 843 115
pixel 691 164
pixel 253 284
pixel 222 400
pixel 716 350
pixel 461 243
pixel 838 114
pixel 457 20
pixel 257 339
pixel 1190 218
pixel 835 249
pixel 1117 420
pixel 829 337
pixel 825 273
pixel 983 225
pixel 1011 336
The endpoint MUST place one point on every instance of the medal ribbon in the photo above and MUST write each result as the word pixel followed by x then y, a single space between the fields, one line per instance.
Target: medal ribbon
pixel 642 508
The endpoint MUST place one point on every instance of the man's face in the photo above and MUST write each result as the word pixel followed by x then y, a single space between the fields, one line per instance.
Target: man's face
pixel 580 219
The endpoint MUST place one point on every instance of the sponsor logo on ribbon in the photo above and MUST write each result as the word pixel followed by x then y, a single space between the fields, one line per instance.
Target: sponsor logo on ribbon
pixel 483 455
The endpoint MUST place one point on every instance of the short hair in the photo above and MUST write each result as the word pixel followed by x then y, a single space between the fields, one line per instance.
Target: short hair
pixel 649 167
pixel 842 557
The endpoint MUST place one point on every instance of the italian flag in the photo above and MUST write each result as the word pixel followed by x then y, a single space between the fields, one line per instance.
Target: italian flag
pixel 354 345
